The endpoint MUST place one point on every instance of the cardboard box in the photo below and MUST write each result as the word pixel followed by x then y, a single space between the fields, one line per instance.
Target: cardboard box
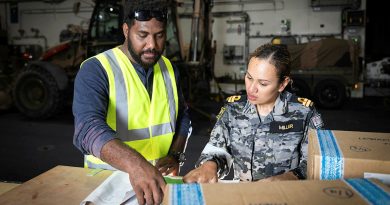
pixel 335 192
pixel 347 154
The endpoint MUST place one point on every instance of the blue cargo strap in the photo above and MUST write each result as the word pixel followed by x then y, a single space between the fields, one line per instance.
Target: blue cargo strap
pixel 186 194
pixel 369 191
pixel 332 161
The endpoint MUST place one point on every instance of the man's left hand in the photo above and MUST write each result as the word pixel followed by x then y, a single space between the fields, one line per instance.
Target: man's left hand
pixel 168 165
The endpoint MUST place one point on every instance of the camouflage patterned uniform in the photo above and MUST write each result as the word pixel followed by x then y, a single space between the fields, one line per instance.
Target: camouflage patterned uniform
pixel 259 149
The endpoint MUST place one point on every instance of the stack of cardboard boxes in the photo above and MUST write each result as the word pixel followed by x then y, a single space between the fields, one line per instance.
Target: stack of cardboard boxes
pixel 337 164
pixel 331 192
pixel 345 154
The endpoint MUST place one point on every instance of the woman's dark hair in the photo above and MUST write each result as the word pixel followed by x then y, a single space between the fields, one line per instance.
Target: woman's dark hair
pixel 276 55
pixel 148 5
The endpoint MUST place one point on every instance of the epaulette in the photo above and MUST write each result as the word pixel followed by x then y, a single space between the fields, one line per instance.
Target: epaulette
pixel 235 98
pixel 231 99
pixel 221 112
pixel 304 101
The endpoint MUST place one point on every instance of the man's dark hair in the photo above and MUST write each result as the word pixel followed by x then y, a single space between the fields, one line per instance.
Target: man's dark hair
pixel 135 5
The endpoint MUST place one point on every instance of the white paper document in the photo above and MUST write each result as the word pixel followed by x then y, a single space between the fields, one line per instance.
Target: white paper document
pixel 116 189
pixel 385 178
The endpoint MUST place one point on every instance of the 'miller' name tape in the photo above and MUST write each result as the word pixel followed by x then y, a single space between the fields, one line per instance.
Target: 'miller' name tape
pixel 369 191
pixel 332 161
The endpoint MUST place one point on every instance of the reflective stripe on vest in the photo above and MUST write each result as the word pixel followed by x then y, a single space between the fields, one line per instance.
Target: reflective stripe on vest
pixel 145 125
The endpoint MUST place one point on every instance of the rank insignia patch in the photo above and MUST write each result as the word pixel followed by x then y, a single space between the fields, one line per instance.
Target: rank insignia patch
pixel 233 98
pixel 306 102
pixel 221 112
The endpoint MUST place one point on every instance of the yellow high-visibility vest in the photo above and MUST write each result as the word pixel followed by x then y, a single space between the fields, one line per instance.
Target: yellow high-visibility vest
pixel 146 125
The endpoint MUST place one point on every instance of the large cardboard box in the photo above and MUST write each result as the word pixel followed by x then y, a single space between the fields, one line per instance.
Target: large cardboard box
pixel 335 192
pixel 347 154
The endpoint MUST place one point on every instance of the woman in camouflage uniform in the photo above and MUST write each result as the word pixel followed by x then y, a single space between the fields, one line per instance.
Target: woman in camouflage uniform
pixel 263 134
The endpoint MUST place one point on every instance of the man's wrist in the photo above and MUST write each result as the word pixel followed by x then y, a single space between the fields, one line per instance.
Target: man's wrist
pixel 178 156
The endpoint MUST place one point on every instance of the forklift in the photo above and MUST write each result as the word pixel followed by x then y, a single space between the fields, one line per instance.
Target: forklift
pixel 43 88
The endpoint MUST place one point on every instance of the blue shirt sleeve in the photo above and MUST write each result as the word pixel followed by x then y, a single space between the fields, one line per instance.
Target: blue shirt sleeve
pixel 183 122
pixel 90 104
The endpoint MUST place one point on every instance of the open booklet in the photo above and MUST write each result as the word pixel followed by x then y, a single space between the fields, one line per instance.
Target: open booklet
pixel 116 189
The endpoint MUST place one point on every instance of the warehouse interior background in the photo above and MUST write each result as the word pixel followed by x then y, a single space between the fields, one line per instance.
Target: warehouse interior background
pixel 30 147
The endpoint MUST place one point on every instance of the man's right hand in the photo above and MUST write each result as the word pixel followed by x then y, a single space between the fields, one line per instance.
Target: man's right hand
pixel 148 184
pixel 206 173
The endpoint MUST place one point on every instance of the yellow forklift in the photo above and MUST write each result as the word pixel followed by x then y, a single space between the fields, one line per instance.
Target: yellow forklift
pixel 44 86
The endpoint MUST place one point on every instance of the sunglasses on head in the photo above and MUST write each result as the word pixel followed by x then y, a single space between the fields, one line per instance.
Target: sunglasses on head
pixel 146 15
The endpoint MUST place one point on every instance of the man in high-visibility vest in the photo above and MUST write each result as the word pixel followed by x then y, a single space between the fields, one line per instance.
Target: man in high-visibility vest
pixel 128 106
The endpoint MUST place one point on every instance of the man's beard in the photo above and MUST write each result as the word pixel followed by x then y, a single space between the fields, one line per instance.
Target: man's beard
pixel 137 57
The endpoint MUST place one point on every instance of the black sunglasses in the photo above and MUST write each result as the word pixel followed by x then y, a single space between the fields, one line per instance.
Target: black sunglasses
pixel 146 15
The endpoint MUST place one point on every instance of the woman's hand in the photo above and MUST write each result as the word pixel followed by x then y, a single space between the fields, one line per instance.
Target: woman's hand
pixel 206 173
pixel 281 177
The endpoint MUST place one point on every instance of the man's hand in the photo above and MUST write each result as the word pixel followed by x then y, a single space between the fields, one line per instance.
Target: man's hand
pixel 168 165
pixel 146 180
pixel 148 184
pixel 206 173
